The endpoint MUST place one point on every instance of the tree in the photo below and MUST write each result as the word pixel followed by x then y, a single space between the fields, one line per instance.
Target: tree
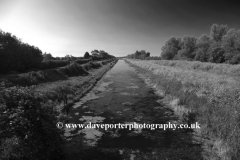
pixel 132 56
pixel 17 56
pixel 217 32
pixel 47 56
pixel 148 54
pixel 143 54
pixel 170 49
pixel 203 41
pixel 95 52
pixel 217 55
pixel 139 55
pixel 202 45
pixel 86 55
pixel 237 44
pixel 70 57
pixel 235 59
pixel 103 54
pixel 230 45
pixel 187 45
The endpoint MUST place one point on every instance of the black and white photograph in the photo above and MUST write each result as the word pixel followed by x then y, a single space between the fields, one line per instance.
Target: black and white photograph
pixel 119 80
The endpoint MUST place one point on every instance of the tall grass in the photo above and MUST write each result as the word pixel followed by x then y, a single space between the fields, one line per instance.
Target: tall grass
pixel 24 110
pixel 73 88
pixel 205 95
pixel 224 69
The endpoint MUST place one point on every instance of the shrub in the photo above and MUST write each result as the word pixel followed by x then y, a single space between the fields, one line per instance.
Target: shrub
pixel 54 64
pixel 73 70
pixel 216 55
pixel 82 61
pixel 27 127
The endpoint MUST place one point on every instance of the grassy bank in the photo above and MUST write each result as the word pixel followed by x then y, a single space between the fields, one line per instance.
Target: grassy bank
pixel 203 92
pixel 28 115
pixel 51 75
pixel 65 93
pixel 222 69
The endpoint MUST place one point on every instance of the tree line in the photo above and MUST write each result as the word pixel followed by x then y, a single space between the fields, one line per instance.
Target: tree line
pixel 98 55
pixel 143 55
pixel 139 55
pixel 16 56
pixel 221 46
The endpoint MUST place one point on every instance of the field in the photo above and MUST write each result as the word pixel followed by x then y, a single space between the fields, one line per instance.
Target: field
pixel 204 92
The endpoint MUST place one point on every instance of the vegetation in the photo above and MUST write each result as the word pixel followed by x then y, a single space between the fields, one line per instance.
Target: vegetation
pixel 219 69
pixel 86 55
pixel 153 58
pixel 143 55
pixel 27 126
pixel 48 64
pixel 17 56
pixel 139 55
pixel 62 73
pixel 203 92
pixel 99 55
pixel 221 46
pixel 28 113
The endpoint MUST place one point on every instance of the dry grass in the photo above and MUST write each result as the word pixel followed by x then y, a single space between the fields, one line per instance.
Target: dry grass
pixel 224 69
pixel 211 92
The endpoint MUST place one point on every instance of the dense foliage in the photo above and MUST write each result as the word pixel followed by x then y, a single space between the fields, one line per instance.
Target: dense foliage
pixel 86 55
pixel 82 61
pixel 47 64
pixel 221 46
pixel 16 55
pixel 27 126
pixel 100 55
pixel 28 117
pixel 153 58
pixel 139 55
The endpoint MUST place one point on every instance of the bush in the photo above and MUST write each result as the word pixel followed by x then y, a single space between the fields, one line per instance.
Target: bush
pixel 153 58
pixel 82 61
pixel 200 56
pixel 216 55
pixel 235 59
pixel 54 64
pixel 73 70
pixel 27 128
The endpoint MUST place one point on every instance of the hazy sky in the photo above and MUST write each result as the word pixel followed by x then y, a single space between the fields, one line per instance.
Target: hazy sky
pixel 119 27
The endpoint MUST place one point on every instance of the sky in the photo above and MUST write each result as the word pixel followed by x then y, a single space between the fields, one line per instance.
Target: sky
pixel 119 27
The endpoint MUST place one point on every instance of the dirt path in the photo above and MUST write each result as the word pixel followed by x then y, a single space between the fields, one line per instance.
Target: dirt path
pixel 121 96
